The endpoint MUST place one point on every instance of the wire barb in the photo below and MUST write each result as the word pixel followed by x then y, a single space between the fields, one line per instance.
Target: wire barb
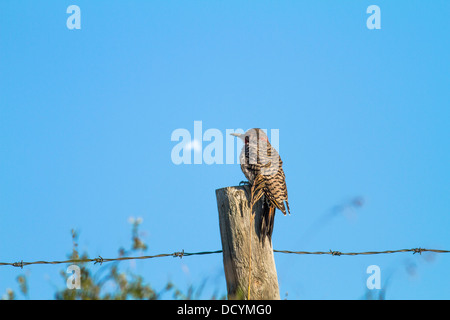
pixel 179 254
pixel 98 260
pixel 335 253
pixel 18 264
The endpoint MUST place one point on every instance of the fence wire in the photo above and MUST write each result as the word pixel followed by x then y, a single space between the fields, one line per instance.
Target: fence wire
pixel 181 254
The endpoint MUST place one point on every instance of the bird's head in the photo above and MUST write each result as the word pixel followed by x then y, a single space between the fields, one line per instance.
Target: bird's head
pixel 254 134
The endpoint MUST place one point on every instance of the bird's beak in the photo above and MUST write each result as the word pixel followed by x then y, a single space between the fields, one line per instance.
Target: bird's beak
pixel 236 134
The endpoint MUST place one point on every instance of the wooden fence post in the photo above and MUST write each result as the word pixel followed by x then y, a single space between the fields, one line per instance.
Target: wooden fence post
pixel 234 220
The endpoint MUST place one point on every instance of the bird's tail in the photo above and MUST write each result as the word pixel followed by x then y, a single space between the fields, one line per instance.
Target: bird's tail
pixel 267 222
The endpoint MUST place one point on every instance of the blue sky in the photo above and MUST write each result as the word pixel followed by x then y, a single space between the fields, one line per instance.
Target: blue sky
pixel 86 118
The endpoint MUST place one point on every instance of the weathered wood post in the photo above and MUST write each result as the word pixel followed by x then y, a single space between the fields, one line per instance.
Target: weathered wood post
pixel 234 219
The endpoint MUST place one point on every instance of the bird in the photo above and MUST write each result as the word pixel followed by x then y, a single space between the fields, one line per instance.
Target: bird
pixel 262 166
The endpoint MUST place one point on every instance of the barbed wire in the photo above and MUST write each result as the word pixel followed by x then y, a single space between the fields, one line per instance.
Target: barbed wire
pixel 181 254
pixel 338 253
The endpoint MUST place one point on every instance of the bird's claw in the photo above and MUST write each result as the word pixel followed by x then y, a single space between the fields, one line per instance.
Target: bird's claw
pixel 244 183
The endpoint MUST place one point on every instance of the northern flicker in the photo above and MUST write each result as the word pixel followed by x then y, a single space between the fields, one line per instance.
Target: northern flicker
pixel 262 166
